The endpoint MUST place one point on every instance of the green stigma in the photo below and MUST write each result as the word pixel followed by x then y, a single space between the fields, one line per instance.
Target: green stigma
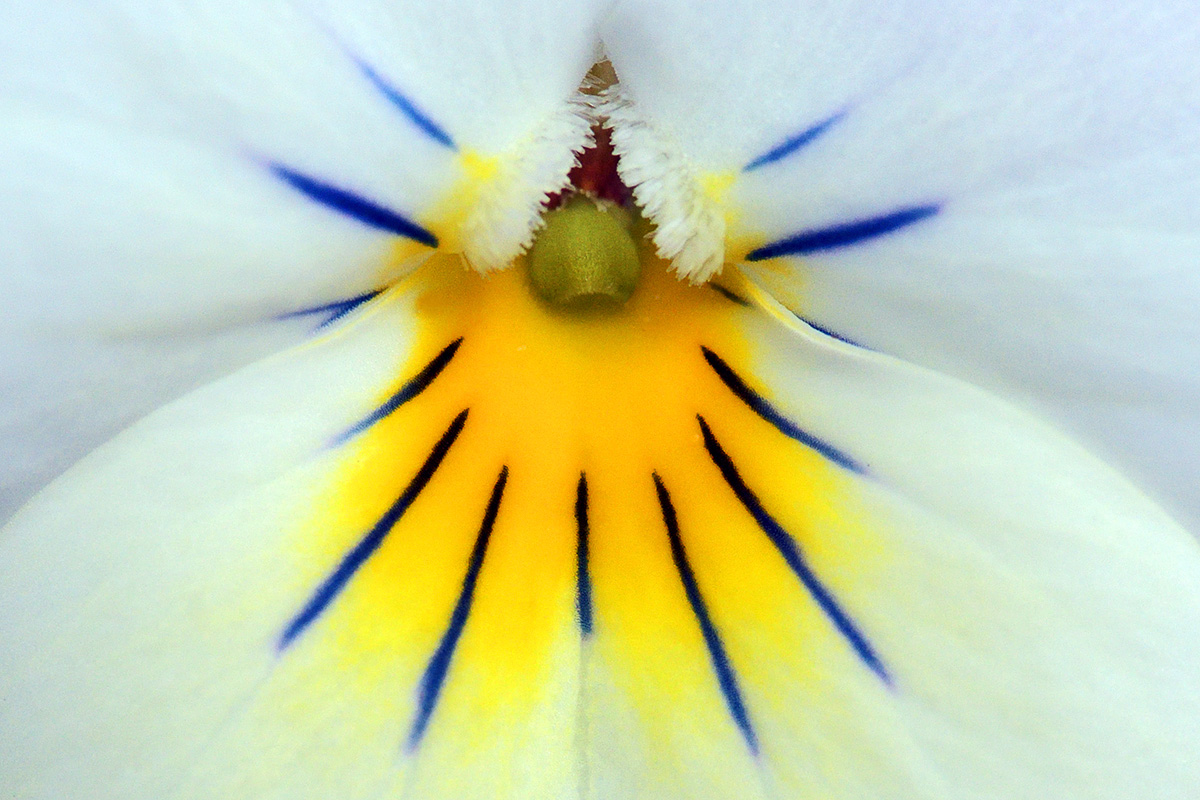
pixel 585 256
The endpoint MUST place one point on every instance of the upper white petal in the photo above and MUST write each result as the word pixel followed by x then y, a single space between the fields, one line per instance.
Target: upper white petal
pixel 137 197
pixel 1058 142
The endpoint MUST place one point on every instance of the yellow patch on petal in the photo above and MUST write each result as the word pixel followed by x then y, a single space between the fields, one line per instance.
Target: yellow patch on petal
pixel 717 188
pixel 716 185
pixel 478 174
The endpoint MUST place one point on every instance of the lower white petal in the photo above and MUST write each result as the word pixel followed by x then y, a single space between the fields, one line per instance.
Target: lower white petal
pixel 692 547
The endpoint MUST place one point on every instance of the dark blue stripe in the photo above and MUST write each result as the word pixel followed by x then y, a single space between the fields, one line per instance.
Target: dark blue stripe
pixel 337 580
pixel 407 107
pixel 759 405
pixel 419 383
pixel 336 310
pixel 831 334
pixel 354 206
pixel 716 650
pixel 728 295
pixel 843 234
pixel 790 551
pixel 439 664
pixel 792 144
pixel 583 580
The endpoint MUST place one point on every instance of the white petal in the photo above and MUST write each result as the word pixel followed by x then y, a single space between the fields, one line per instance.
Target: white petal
pixel 1058 144
pixel 142 190
pixel 63 395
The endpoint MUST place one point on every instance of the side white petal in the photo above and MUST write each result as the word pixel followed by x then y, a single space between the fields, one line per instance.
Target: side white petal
pixel 143 192
pixel 64 394
pixel 1057 147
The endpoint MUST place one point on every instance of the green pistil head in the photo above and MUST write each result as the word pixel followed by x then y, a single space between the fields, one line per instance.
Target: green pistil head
pixel 585 257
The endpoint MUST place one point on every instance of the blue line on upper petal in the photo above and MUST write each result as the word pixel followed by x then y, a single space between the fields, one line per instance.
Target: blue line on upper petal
pixel 830 333
pixel 726 677
pixel 583 580
pixel 439 664
pixel 406 106
pixel 759 405
pixel 790 551
pixel 417 384
pixel 843 234
pixel 335 310
pixel 354 206
pixel 350 563
pixel 790 145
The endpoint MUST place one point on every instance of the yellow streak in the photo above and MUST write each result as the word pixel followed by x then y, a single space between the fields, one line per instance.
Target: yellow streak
pixel 718 188
pixel 477 176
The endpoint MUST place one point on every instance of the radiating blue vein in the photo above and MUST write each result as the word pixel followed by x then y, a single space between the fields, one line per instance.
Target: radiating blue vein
pixel 759 405
pixel 366 547
pixel 793 143
pixel 335 310
pixel 726 678
pixel 439 664
pixel 583 580
pixel 843 234
pixel 419 383
pixel 790 551
pixel 728 294
pixel 406 106
pixel 830 333
pixel 354 206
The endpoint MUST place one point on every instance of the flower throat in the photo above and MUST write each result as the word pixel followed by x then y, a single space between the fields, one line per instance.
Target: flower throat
pixel 585 257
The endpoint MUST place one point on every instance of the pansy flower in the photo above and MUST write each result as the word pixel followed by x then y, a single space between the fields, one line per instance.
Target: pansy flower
pixel 637 399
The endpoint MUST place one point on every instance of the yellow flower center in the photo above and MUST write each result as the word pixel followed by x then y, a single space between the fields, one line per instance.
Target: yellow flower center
pixel 560 475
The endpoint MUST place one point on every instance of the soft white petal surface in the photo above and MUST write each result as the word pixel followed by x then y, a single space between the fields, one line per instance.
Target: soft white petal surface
pixel 136 198
pixel 1061 142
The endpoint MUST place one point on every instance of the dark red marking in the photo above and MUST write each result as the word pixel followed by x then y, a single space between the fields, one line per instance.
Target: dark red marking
pixel 595 173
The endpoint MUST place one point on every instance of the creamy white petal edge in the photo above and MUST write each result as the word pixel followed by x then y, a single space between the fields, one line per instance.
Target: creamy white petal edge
pixel 137 200
pixel 1059 143
pixel 1038 615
